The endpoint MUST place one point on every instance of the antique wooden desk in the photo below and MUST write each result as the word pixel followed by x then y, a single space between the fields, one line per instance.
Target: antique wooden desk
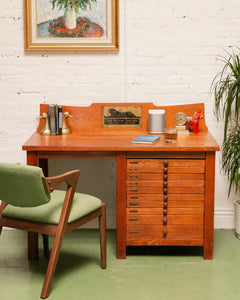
pixel 165 191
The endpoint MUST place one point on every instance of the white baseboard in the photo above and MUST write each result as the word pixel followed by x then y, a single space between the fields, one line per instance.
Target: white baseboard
pixel 224 219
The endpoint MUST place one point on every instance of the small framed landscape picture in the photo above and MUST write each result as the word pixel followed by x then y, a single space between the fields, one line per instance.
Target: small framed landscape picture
pixel 71 24
pixel 122 116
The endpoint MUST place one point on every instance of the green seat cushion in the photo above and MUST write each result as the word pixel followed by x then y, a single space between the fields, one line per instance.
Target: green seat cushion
pixel 83 204
pixel 22 185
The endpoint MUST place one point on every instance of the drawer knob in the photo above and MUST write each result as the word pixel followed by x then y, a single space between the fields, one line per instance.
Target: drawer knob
pixel 164 233
pixel 165 164
pixel 165 198
pixel 165 212
pixel 165 171
pixel 165 184
pixel 165 191
pixel 164 221
pixel 165 177
pixel 165 205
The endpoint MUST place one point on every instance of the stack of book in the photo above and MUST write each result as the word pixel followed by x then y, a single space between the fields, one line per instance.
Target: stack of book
pixel 55 119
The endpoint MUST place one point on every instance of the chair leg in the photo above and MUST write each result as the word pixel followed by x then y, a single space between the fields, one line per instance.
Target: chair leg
pixel 52 265
pixel 32 245
pixel 102 229
pixel 46 245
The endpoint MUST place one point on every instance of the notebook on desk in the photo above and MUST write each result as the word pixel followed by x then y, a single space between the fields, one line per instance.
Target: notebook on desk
pixel 146 139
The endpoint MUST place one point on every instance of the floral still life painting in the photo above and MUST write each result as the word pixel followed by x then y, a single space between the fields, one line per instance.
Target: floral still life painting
pixel 71 24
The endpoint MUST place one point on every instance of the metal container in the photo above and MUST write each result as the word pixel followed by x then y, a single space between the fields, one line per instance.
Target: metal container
pixel 156 120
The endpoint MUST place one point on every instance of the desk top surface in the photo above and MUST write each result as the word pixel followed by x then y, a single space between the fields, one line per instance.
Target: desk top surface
pixel 115 141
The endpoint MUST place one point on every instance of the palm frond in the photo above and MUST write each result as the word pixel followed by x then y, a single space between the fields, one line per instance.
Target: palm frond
pixel 231 157
pixel 226 89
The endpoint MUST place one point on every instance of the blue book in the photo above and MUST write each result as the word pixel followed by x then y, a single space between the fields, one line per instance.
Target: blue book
pixel 146 139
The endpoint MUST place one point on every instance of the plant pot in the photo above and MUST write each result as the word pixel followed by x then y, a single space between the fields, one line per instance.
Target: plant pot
pixel 237 218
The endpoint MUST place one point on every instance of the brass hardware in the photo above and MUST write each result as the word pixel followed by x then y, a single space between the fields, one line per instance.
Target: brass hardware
pixel 134 211
pixel 46 128
pixel 165 191
pixel 133 204
pixel 134 162
pixel 165 177
pixel 165 163
pixel 164 221
pixel 132 231
pixel 133 220
pixel 133 197
pixel 133 190
pixel 165 205
pixel 49 181
pixel 133 176
pixel 133 183
pixel 65 129
pixel 165 212
pixel 165 184
pixel 133 169
pixel 165 198
pixel 51 189
pixel 164 233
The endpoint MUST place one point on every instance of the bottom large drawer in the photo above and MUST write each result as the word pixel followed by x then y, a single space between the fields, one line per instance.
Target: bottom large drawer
pixel 163 235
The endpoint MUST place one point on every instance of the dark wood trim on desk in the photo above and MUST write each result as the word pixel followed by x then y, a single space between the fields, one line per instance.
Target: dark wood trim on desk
pixel 76 154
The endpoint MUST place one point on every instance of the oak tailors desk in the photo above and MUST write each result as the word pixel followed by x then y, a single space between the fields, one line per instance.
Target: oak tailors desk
pixel 165 191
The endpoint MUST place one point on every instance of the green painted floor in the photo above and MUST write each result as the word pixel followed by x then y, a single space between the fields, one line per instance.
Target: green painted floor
pixel 162 273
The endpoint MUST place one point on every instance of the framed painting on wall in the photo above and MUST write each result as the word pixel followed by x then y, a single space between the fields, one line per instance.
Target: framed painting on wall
pixel 71 24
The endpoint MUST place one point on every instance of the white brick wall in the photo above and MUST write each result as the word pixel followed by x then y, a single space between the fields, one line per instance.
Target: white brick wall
pixel 167 55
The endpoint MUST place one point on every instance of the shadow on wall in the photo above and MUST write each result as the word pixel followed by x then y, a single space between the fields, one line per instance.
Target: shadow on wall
pixel 97 178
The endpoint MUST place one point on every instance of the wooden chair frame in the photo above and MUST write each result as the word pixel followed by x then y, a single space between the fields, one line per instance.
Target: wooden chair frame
pixel 35 228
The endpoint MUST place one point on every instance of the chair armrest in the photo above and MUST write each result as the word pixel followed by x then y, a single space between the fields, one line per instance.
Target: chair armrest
pixel 2 207
pixel 71 178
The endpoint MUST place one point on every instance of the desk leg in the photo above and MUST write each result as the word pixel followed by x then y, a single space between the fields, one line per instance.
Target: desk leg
pixel 32 237
pixel 32 245
pixel 121 205
pixel 31 158
pixel 209 205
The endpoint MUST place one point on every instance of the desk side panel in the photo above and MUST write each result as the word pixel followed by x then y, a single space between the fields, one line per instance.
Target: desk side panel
pixel 121 205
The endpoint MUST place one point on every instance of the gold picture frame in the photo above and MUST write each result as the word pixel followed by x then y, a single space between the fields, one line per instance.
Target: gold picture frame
pixel 46 28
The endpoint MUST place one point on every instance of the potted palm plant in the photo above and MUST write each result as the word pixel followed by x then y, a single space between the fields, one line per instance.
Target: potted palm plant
pixel 71 7
pixel 226 89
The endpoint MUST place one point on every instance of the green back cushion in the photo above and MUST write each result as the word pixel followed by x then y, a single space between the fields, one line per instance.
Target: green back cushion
pixel 83 204
pixel 22 185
